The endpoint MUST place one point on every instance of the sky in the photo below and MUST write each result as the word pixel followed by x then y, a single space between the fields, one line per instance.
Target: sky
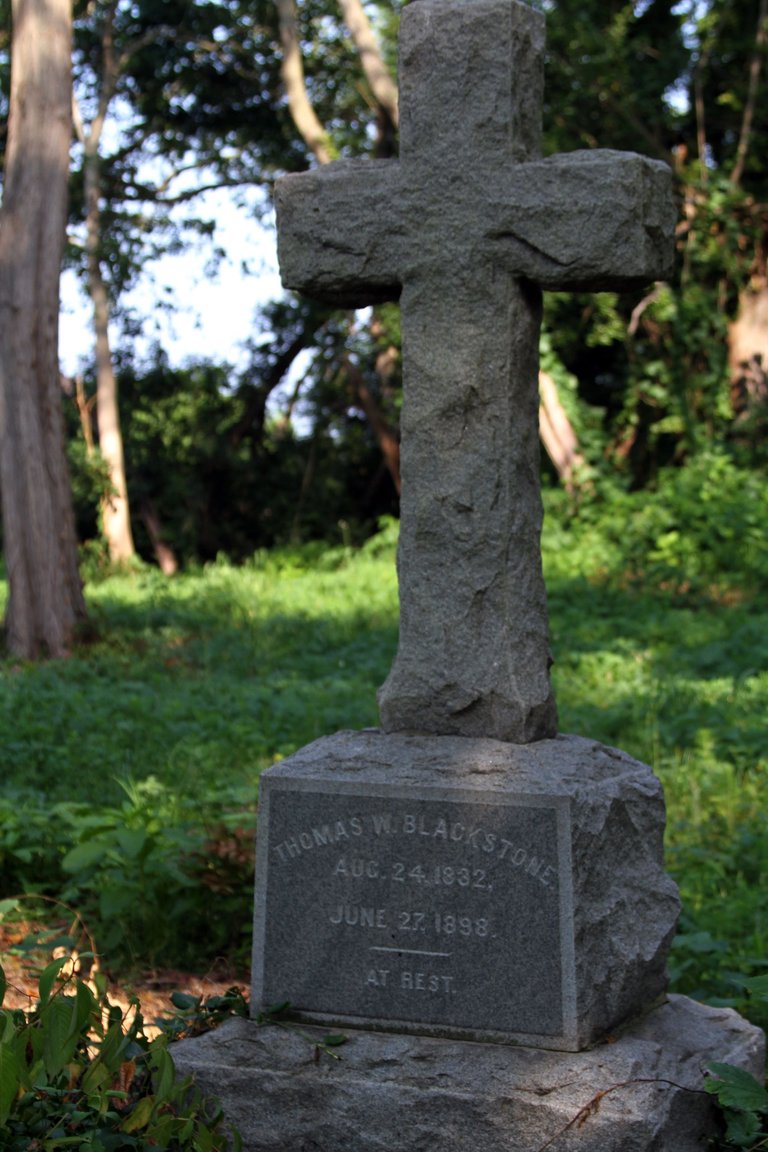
pixel 214 313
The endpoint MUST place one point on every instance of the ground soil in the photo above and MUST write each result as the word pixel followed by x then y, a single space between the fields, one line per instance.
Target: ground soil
pixel 152 987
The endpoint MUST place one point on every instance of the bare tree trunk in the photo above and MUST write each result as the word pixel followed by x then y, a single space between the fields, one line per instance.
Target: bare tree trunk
pixel 748 334
pixel 384 434
pixel 46 601
pixel 292 70
pixel 748 351
pixel 376 72
pixel 761 35
pixel 164 554
pixel 115 511
pixel 84 405
pixel 556 431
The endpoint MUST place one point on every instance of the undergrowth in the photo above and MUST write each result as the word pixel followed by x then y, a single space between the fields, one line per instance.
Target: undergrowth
pixel 131 769
pixel 78 1071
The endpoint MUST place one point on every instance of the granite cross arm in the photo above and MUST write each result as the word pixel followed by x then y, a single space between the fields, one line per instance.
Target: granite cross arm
pixel 466 229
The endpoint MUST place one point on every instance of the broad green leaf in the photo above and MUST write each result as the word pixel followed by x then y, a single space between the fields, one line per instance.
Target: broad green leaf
pixel 59 1038
pixel 140 1116
pixel 7 906
pixel 7 1026
pixel 184 1001
pixel 84 855
pixel 96 1077
pixel 166 1075
pixel 48 978
pixel 757 986
pixel 162 1130
pixel 67 941
pixel 9 1080
pixel 132 841
pixel 736 1088
pixel 204 1139
pixel 112 1047
pixel 86 1005
pixel 741 1128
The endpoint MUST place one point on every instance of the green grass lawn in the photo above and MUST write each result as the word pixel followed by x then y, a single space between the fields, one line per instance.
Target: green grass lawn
pixel 143 750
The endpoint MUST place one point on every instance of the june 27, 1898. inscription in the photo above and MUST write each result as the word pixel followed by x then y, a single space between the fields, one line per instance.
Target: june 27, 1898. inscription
pixel 412 908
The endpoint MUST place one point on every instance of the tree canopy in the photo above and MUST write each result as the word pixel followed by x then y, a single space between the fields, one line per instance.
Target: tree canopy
pixel 195 94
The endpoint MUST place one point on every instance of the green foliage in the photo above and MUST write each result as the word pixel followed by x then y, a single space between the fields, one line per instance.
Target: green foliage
pixel 195 90
pixel 744 1105
pixel 90 480
pixel 280 1015
pixel 672 81
pixel 75 1071
pixel 677 677
pixel 131 769
pixel 698 529
pixel 144 874
pixel 212 472
pixel 193 1015
pixel 610 65
pixel 160 878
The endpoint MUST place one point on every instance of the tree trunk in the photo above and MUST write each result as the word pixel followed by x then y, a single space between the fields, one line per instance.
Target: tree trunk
pixel 376 72
pixel 556 431
pixel 386 437
pixel 45 602
pixel 164 554
pixel 115 512
pixel 748 351
pixel 292 71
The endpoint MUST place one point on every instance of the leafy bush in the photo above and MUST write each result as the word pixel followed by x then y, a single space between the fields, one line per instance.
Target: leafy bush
pixel 76 1071
pixel 704 526
pixel 141 873
pixel 700 529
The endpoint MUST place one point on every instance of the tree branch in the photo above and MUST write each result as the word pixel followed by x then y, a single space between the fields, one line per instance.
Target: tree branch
pixel 142 192
pixel 749 108
pixel 92 137
pixel 254 411
pixel 158 32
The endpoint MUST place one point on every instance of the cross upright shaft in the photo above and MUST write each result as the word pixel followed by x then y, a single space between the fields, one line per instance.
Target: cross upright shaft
pixel 466 228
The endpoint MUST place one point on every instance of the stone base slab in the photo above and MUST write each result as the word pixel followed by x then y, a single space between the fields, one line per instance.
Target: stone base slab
pixel 642 1092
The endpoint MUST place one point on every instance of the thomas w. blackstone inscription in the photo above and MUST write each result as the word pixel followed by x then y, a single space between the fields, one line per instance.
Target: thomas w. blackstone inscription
pixel 416 904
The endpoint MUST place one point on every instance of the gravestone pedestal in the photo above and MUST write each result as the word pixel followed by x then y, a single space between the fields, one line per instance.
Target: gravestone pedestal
pixel 462 887
pixel 643 1092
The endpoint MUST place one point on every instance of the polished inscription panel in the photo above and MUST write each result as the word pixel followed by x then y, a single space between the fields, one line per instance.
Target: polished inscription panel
pixel 439 907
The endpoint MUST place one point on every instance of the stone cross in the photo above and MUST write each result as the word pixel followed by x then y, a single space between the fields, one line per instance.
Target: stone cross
pixel 466 229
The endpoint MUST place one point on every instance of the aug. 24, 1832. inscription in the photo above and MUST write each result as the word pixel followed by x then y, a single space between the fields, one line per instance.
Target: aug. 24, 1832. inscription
pixel 413 908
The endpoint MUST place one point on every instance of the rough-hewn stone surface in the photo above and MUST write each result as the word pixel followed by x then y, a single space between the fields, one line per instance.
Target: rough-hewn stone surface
pixel 641 1093
pixel 577 912
pixel 465 229
pixel 351 231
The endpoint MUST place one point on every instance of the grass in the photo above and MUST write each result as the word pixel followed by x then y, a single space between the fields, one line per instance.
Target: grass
pixel 200 682
pixel 196 684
